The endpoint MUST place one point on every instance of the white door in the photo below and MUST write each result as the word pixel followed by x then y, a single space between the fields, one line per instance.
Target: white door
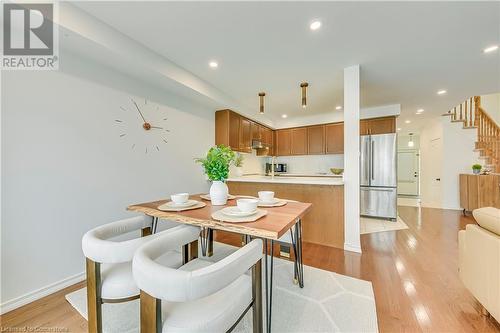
pixel 408 172
pixel 434 163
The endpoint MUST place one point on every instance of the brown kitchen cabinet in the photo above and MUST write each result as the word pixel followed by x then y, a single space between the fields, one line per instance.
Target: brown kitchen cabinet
pixel 283 142
pixel 316 140
pixel 334 137
pixel 245 135
pixel 256 131
pixel 298 141
pixel 237 132
pixel 478 191
pixel 377 126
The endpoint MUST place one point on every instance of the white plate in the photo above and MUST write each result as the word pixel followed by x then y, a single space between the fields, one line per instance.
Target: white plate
pixel 188 203
pixel 236 212
pixel 207 196
pixel 272 202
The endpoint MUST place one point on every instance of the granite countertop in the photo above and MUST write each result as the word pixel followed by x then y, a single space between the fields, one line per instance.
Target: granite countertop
pixel 306 180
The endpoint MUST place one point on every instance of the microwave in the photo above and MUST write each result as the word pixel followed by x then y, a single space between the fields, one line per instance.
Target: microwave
pixel 278 168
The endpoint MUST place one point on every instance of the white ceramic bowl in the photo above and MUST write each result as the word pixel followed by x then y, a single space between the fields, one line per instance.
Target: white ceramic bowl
pixel 180 198
pixel 247 205
pixel 266 196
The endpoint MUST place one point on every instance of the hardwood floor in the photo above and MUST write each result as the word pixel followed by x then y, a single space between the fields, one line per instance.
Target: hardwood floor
pixel 413 271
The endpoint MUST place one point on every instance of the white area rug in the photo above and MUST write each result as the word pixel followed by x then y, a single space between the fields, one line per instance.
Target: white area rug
pixel 370 225
pixel 329 302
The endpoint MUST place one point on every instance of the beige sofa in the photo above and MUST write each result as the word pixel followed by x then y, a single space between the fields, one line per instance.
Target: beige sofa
pixel 479 258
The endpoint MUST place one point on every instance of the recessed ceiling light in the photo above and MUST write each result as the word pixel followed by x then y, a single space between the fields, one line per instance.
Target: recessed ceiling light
pixel 399 128
pixel 407 121
pixel 338 107
pixel 213 64
pixel 490 49
pixel 284 116
pixel 441 92
pixel 315 25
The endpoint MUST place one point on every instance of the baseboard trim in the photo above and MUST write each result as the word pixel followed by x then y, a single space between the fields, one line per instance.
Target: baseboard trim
pixel 39 293
pixel 348 247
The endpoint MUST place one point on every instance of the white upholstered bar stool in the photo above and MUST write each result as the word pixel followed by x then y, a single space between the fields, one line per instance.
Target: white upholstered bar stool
pixel 200 296
pixel 109 263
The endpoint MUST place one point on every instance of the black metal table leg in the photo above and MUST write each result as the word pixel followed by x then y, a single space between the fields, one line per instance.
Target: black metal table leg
pixel 298 228
pixel 295 258
pixel 271 269
pixel 266 272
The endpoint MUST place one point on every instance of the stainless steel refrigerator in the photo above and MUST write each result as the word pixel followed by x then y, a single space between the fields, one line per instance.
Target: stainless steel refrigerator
pixel 378 177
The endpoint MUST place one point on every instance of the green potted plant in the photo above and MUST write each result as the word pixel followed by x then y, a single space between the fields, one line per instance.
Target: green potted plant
pixel 238 165
pixel 476 169
pixel 216 165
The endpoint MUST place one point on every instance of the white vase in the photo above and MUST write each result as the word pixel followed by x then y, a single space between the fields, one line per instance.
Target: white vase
pixel 218 193
pixel 238 171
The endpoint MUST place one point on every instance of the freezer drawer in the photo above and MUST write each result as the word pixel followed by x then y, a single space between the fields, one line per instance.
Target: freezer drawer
pixel 379 202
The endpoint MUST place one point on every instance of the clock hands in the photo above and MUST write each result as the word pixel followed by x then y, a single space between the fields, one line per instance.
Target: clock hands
pixel 145 122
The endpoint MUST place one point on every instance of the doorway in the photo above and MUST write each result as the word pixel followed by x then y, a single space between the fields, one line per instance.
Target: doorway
pixel 409 172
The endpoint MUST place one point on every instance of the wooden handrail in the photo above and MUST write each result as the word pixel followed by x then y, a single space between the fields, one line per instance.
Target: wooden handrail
pixel 471 113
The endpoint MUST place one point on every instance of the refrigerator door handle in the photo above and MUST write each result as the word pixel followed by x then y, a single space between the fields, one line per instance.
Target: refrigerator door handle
pixel 378 189
pixel 372 173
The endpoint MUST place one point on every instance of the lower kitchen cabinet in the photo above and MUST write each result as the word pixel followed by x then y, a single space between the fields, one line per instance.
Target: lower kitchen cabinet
pixel 324 223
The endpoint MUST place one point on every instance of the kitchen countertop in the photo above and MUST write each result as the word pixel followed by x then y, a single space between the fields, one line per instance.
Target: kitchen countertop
pixel 320 180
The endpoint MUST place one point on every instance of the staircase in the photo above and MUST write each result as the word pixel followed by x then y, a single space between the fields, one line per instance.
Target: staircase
pixel 473 116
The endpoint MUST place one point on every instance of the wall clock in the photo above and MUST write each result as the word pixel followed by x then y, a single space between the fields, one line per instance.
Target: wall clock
pixel 143 125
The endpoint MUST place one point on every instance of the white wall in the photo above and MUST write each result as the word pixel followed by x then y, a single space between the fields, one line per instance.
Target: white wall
pixel 65 169
pixel 252 164
pixel 312 164
pixel 491 104
pixel 455 154
pixel 404 139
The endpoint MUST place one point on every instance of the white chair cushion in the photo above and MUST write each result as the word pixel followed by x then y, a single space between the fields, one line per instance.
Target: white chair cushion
pixel 488 218
pixel 214 313
pixel 117 280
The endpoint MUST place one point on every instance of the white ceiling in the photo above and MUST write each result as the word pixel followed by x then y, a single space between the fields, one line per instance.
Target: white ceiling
pixel 407 51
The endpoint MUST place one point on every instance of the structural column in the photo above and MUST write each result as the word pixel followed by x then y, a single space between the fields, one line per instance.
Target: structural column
pixel 351 159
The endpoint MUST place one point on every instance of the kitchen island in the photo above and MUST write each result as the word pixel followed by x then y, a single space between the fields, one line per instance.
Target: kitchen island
pixel 324 224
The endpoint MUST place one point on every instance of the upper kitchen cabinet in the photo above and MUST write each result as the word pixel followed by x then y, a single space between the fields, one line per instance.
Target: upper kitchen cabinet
pixel 377 126
pixel 316 140
pixel 245 135
pixel 298 141
pixel 237 132
pixel 266 136
pixel 227 129
pixel 283 142
pixel 256 131
pixel 334 134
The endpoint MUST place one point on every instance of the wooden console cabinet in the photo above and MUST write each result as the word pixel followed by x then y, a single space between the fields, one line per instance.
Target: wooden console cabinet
pixel 478 191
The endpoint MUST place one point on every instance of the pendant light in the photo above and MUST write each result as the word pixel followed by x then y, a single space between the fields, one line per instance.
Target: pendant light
pixel 261 99
pixel 304 85
pixel 411 143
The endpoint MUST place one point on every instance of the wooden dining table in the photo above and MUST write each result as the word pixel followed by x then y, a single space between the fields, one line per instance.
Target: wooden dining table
pixel 271 227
